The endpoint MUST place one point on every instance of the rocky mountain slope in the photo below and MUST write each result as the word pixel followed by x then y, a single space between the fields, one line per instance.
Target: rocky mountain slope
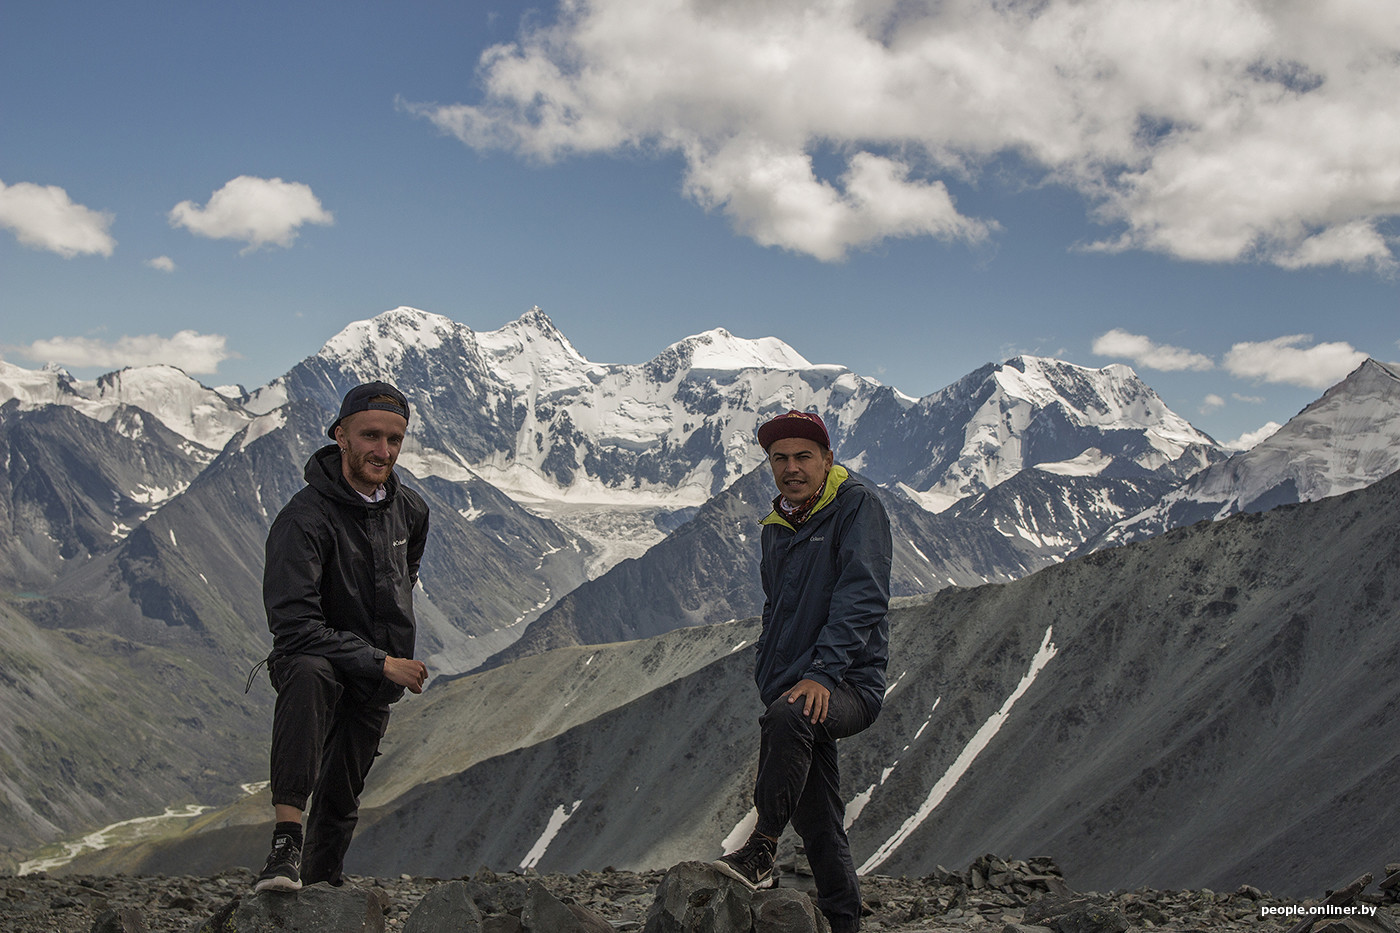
pixel 159 630
pixel 1205 709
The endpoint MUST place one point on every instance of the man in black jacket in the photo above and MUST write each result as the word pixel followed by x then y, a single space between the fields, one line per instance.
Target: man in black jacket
pixel 821 657
pixel 342 561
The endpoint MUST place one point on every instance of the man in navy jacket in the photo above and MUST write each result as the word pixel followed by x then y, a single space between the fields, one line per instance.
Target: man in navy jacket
pixel 821 657
pixel 342 560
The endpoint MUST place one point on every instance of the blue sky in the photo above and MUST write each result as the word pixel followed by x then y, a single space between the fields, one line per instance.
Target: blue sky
pixel 1205 191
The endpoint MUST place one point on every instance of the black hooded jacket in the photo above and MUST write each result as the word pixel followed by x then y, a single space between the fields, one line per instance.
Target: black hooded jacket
pixel 338 582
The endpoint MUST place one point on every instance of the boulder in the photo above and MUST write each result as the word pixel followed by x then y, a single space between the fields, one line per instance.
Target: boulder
pixel 544 913
pixel 313 909
pixel 447 908
pixel 1076 915
pixel 126 920
pixel 784 910
pixel 695 898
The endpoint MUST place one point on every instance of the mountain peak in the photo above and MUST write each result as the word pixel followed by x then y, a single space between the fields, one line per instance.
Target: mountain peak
pixel 719 350
pixel 537 319
pixel 531 349
pixel 1343 441
pixel 382 340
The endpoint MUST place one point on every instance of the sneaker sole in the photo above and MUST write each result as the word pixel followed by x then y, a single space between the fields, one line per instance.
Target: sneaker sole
pixel 276 884
pixel 725 868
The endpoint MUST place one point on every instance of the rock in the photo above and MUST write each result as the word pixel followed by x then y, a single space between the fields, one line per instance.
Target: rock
pixel 496 896
pixel 545 913
pixel 1076 915
pixel 695 898
pixel 447 908
pixel 624 898
pixel 784 910
pixel 502 923
pixel 127 920
pixel 347 909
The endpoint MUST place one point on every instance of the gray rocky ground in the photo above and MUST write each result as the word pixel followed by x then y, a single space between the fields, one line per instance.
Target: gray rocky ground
pixel 991 895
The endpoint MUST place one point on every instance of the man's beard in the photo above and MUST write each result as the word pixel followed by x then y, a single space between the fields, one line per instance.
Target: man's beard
pixel 363 472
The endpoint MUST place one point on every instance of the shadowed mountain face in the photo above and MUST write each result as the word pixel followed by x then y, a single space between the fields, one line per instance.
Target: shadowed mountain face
pixel 72 486
pixel 707 570
pixel 1205 709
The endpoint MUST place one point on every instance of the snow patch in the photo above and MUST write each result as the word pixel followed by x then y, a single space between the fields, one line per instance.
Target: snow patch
pixel 557 819
pixel 1091 462
pixel 262 426
pixel 963 762
pixel 741 832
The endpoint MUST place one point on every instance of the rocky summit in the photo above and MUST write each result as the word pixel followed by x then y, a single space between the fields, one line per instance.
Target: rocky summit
pixel 992 894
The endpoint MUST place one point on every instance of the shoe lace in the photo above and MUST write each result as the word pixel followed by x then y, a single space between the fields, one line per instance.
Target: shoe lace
pixel 755 853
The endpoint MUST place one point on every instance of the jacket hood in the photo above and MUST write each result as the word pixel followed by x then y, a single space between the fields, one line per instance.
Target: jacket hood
pixel 323 474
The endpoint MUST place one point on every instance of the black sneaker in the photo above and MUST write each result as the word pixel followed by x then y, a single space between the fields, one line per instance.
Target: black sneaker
pixel 752 864
pixel 283 869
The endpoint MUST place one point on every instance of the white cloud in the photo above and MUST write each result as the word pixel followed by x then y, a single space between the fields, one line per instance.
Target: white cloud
pixel 44 217
pixel 1250 399
pixel 162 264
pixel 1283 360
pixel 1212 130
pixel 258 211
pixel 193 352
pixel 1211 403
pixel 1354 245
pixel 1144 352
pixel 1250 439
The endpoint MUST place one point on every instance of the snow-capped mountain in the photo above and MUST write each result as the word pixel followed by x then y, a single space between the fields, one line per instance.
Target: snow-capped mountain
pixel 192 410
pixel 1347 439
pixel 523 409
pixel 1028 412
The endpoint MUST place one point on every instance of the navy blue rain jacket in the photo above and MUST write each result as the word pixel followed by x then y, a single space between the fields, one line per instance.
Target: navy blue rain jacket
pixel 826 587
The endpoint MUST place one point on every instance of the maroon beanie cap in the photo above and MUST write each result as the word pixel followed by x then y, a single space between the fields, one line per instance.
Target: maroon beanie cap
pixel 804 424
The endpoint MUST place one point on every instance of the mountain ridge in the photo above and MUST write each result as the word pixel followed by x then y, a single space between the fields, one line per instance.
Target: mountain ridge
pixel 1343 441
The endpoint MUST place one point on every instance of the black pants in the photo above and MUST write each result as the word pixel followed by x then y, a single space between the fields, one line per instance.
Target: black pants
pixel 326 729
pixel 799 781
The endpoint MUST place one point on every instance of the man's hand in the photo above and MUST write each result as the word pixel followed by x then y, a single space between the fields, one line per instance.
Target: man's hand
pixel 406 672
pixel 816 697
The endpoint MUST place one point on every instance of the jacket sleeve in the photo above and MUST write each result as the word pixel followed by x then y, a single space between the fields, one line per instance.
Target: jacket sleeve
pixel 295 557
pixel 416 543
pixel 766 579
pixel 860 598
